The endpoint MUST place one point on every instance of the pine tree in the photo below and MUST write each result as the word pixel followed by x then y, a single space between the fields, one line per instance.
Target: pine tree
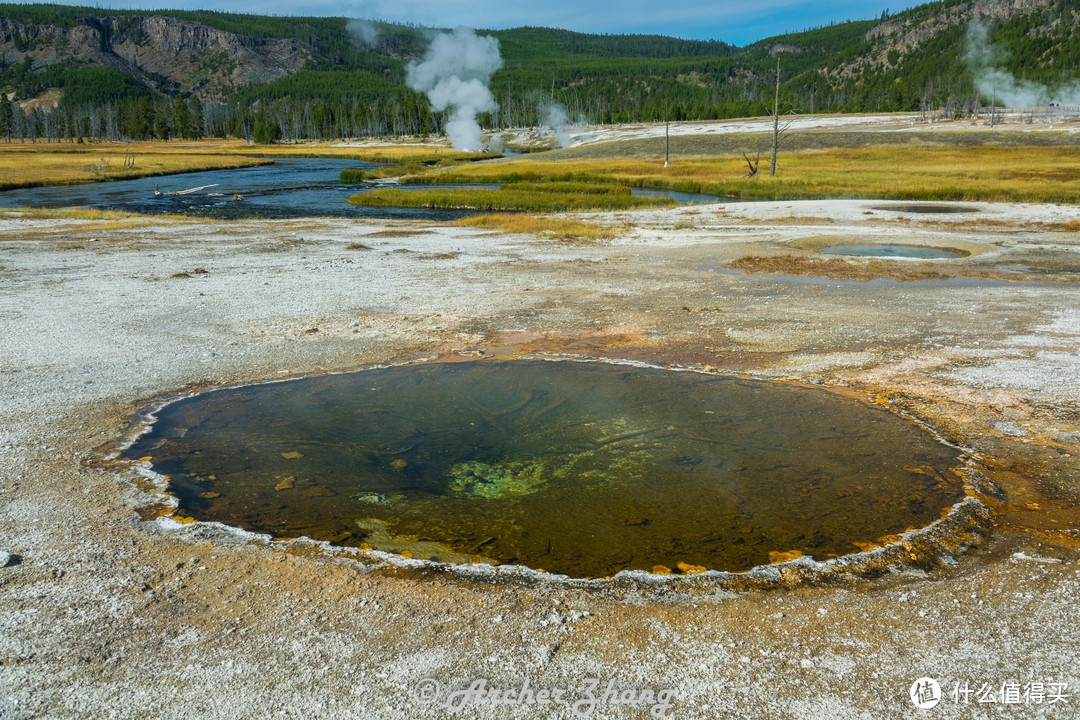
pixel 195 113
pixel 182 119
pixel 7 118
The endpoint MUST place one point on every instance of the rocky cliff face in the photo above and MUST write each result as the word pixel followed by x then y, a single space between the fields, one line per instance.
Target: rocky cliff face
pixel 165 53
pixel 907 33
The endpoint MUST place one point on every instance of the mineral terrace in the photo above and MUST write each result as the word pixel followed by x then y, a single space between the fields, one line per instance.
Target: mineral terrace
pixel 109 611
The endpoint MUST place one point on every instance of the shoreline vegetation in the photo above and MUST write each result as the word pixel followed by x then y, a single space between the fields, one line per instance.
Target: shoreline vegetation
pixel 942 166
pixel 48 163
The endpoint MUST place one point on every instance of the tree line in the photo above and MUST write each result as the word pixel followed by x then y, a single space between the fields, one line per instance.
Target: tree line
pixel 352 89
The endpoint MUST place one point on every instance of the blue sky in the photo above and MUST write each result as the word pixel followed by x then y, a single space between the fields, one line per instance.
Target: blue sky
pixel 735 21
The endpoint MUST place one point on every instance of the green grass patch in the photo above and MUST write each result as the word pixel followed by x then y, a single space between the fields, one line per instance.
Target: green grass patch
pixel 512 197
pixel 353 176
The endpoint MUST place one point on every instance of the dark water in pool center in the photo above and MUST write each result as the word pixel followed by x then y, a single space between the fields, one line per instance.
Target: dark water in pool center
pixel 578 468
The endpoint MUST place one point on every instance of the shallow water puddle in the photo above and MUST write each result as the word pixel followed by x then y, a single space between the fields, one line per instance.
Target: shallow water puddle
pixel 578 468
pixel 899 251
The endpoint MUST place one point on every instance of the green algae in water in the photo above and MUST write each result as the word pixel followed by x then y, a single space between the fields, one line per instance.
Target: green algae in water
pixel 578 468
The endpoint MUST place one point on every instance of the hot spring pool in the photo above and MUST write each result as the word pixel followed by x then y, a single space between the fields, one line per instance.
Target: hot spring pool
pixel 582 468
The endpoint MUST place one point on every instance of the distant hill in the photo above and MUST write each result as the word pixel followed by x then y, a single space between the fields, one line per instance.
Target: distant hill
pixel 129 72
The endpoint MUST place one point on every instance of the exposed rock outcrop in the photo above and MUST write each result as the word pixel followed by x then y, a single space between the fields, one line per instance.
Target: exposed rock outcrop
pixel 164 53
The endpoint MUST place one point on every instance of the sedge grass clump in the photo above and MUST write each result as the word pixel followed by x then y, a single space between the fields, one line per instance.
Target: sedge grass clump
pixel 351 176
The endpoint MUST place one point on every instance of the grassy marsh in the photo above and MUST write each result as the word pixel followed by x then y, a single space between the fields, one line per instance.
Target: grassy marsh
pixel 954 165
pixel 971 173
pixel 512 197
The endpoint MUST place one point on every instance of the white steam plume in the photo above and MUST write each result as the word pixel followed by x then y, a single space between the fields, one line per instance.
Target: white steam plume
pixel 555 117
pixel 454 74
pixel 995 83
pixel 364 31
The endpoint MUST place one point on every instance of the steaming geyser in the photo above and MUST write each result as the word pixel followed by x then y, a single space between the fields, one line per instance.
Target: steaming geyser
pixel 1000 86
pixel 454 74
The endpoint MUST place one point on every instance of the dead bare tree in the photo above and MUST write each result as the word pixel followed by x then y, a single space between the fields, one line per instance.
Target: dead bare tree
pixel 993 103
pixel 752 164
pixel 779 129
pixel 667 140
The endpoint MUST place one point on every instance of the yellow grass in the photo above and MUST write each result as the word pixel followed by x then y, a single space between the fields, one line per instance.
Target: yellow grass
pixel 73 213
pixel 1030 173
pixel 23 165
pixel 41 163
pixel 80 213
pixel 558 228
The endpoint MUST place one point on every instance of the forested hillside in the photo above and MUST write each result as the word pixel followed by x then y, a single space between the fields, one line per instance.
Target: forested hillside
pixel 87 72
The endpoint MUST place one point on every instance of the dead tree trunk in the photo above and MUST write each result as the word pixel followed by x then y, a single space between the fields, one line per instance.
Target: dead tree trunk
pixel 752 164
pixel 775 121
pixel 993 103
pixel 667 141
